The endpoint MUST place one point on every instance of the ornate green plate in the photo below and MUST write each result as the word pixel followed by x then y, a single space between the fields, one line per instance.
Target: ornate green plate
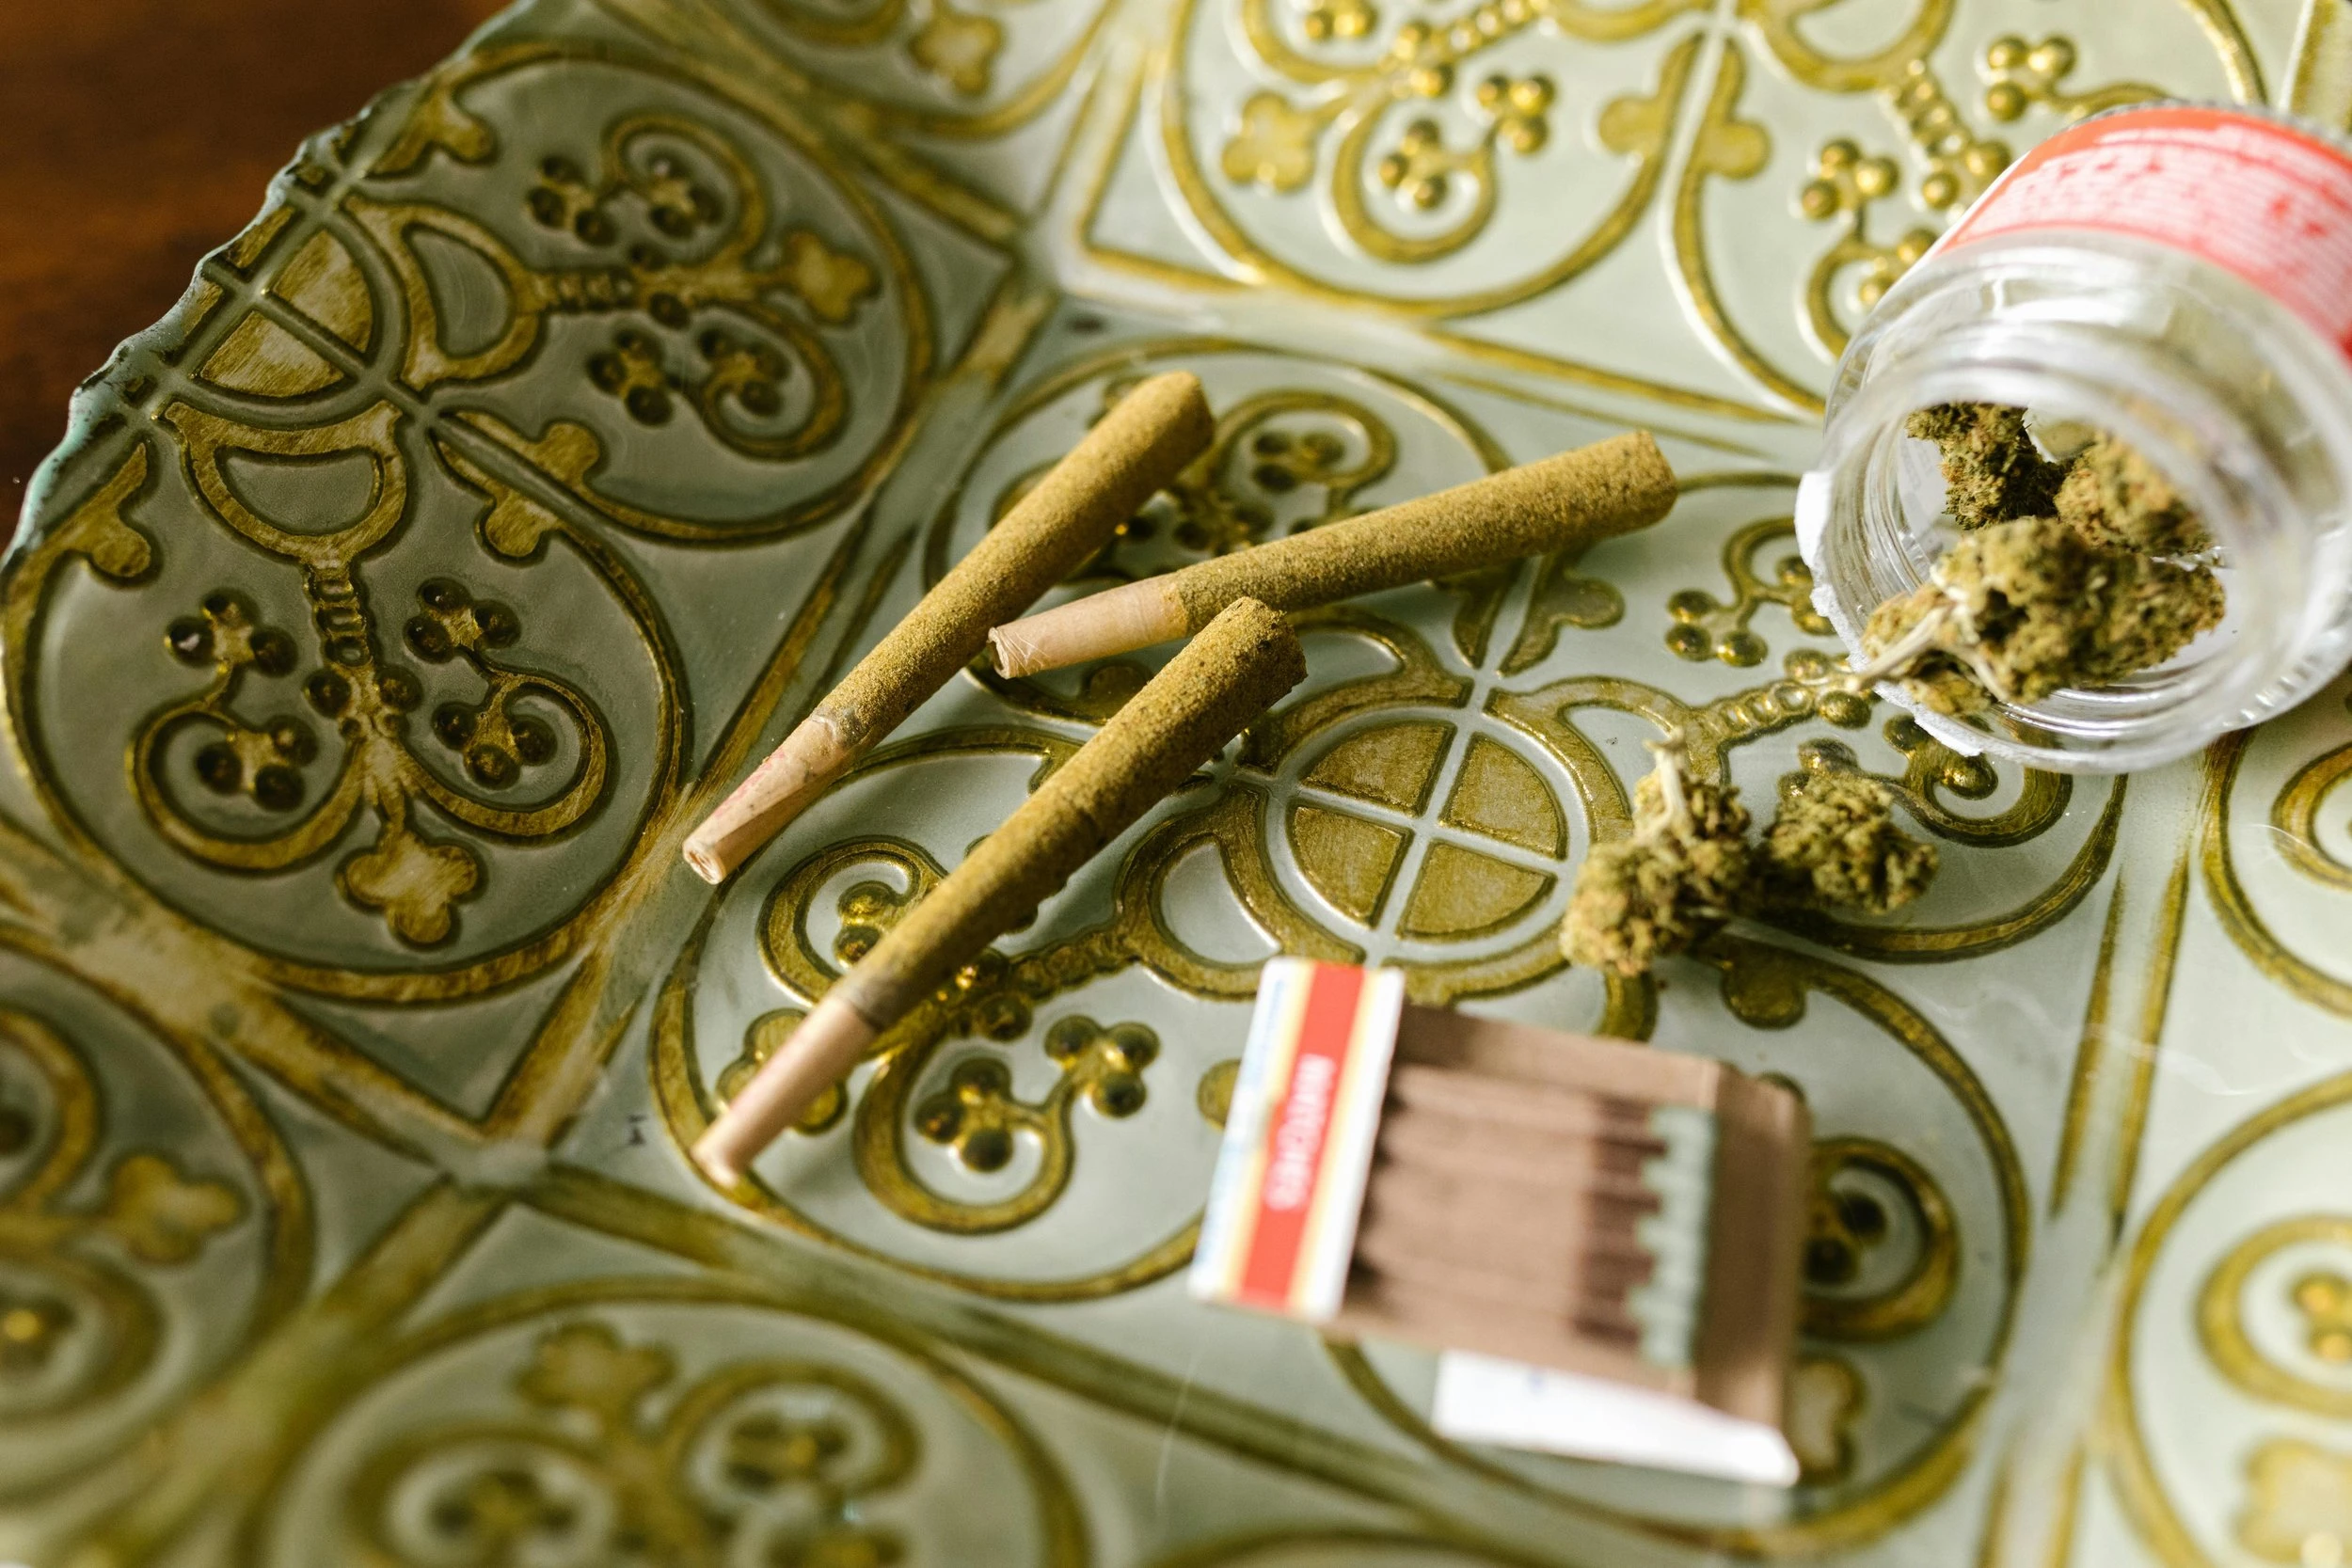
pixel 401 600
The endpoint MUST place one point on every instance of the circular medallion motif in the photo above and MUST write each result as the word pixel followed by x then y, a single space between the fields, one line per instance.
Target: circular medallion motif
pixel 138 1254
pixel 357 628
pixel 665 1422
pixel 2231 1376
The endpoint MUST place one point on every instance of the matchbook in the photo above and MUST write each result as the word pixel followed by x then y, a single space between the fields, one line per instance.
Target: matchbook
pixel 1600 1239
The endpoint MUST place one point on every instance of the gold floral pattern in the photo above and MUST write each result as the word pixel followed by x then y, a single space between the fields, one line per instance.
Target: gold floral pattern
pixel 2020 75
pixel 1705 627
pixel 1414 108
pixel 957 48
pixel 520 473
pixel 1845 185
pixel 1275 146
pixel 2298 1506
pixel 2325 1299
pixel 491 1508
pixel 597 1443
pixel 112 1258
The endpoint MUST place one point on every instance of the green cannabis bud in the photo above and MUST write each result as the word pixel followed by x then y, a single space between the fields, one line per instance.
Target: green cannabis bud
pixel 1835 843
pixel 1686 870
pixel 2113 495
pixel 1993 472
pixel 2149 611
pixel 2020 609
pixel 1688 866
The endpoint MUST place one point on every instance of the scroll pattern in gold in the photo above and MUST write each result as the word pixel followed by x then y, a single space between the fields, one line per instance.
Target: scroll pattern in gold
pixel 375 642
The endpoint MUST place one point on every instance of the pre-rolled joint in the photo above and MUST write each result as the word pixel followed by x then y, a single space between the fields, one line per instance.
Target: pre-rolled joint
pixel 818 1055
pixel 1566 501
pixel 1221 681
pixel 1061 522
pixel 708 858
pixel 718 1161
pixel 795 773
pixel 715 849
pixel 1646 486
pixel 1015 650
pixel 1117 621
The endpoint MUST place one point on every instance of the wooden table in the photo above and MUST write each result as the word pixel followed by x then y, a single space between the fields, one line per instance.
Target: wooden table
pixel 139 133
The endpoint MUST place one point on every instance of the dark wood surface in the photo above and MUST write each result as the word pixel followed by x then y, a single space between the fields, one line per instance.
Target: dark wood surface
pixel 137 134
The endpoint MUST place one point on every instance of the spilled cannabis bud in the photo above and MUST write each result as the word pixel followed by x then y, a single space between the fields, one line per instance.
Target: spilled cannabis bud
pixel 1993 471
pixel 1835 841
pixel 1685 871
pixel 1688 865
pixel 2020 609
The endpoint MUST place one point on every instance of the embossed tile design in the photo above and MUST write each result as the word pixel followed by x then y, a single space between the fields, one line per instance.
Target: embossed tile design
pixel 516 479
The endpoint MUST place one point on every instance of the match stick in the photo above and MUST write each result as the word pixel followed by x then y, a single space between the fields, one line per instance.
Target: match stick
pixel 1224 678
pixel 1141 444
pixel 1418 1088
pixel 1563 503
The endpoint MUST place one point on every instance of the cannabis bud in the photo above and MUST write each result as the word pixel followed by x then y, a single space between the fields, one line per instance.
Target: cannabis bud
pixel 1835 841
pixel 1993 471
pixel 1688 866
pixel 1684 872
pixel 2020 609
pixel 2113 495
pixel 2061 577
pixel 2072 570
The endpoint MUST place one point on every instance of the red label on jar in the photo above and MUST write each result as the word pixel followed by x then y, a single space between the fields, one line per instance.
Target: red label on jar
pixel 2262 200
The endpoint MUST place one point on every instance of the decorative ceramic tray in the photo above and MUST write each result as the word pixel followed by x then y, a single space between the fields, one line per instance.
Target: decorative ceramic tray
pixel 401 600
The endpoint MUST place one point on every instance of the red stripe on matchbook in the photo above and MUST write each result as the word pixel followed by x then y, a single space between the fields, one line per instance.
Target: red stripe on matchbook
pixel 1296 1136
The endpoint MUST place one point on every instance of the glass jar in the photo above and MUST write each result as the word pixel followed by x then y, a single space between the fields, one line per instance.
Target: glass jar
pixel 2179 277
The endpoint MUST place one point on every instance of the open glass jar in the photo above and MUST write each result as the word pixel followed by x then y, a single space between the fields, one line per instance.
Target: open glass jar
pixel 2180 278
